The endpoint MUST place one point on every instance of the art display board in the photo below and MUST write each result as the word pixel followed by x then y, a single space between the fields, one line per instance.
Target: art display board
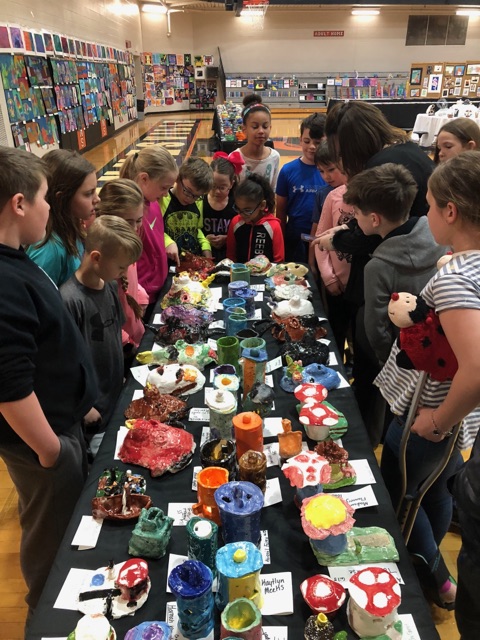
pixel 177 81
pixel 448 80
pixel 62 91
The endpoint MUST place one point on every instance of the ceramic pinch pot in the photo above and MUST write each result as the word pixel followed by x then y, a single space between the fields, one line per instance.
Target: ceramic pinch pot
pixel 202 542
pixel 94 625
pixel 288 291
pixel 223 406
pixel 307 348
pixel 326 520
pixel 243 618
pixel 289 442
pixel 239 272
pixel 254 363
pixel 298 270
pixel 228 349
pixel 248 430
pixel 153 630
pixel 177 380
pixel 236 321
pixel 249 296
pixel 191 584
pixel 151 534
pixel 183 322
pixel 260 399
pixel 208 481
pixel 372 608
pixel 259 265
pixel 220 452
pixel 295 306
pixel 238 569
pixel 235 286
pixel 230 303
pixel 198 355
pixel 240 504
pixel 252 467
pixel 323 595
pixel 319 627
pixel 188 289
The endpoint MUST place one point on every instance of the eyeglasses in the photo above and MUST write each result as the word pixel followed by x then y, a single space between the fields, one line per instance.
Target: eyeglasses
pixel 222 189
pixel 246 212
pixel 189 194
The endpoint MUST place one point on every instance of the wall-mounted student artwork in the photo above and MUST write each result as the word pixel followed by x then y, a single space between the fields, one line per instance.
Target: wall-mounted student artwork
pixel 416 76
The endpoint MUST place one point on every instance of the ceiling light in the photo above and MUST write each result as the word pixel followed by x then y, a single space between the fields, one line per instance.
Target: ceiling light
pixel 154 8
pixel 468 12
pixel 365 12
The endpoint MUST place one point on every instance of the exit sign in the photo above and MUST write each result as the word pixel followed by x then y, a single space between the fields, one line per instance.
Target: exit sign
pixel 328 34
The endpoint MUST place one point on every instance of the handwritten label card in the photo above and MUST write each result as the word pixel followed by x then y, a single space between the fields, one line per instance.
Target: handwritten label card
pixel 277 592
pixel 206 435
pixel 257 287
pixel 359 499
pixel 218 324
pixel 87 533
pixel 363 471
pixel 157 319
pixel 74 582
pixel 171 618
pixel 140 373
pixel 274 364
pixel 216 292
pixel 212 344
pixel 259 297
pixel 181 512
pixel 274 633
pixel 332 359
pixel 269 380
pixel 272 427
pixel 194 478
pixel 199 414
pixel 121 435
pixel 410 631
pixel 258 314
pixel 343 383
pixel 273 493
pixel 265 546
pixel 343 574
pixel 137 394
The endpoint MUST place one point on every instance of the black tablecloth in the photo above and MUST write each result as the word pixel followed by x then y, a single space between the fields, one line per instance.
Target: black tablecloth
pixel 289 546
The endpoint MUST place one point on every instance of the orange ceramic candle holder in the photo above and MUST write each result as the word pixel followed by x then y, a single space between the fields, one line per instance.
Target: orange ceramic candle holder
pixel 208 481
pixel 248 428
pixel 290 442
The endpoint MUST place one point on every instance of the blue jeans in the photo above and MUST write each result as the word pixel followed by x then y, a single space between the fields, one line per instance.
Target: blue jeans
pixel 435 513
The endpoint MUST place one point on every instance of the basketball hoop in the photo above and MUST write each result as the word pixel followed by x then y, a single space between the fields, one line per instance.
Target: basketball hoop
pixel 253 12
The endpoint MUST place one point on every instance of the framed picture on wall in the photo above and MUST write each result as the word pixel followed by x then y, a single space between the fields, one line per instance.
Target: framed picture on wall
pixel 416 76
pixel 460 70
pixel 444 93
pixel 473 69
pixel 435 83
pixel 438 68
pixel 474 79
pixel 457 91
pixel 449 69
pixel 423 93
pixel 458 82
pixel 465 92
pixel 414 93
pixel 466 83
pixel 425 82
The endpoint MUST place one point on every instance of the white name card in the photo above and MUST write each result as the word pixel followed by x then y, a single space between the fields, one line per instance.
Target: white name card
pixel 363 471
pixel 121 435
pixel 140 373
pixel 274 633
pixel 273 493
pixel 194 477
pixel 257 287
pixel 265 546
pixel 272 427
pixel 274 364
pixel 360 498
pixel 199 414
pixel 87 533
pixel 277 593
pixel 181 512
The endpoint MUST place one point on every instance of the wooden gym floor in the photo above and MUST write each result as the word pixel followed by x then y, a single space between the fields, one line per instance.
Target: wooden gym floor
pixel 285 131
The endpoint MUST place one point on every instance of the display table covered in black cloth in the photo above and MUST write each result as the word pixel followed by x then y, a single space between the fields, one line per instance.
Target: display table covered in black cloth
pixel 289 546
pixel 228 146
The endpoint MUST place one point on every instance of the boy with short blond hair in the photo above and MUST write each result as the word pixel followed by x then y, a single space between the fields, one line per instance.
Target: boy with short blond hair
pixel 182 210
pixel 46 376
pixel 91 296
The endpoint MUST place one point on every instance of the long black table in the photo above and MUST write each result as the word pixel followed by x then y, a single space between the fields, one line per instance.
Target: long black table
pixel 289 546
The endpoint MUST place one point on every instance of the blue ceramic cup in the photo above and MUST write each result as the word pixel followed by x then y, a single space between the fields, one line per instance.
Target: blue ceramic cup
pixel 238 271
pixel 236 320
pixel 232 303
pixel 233 287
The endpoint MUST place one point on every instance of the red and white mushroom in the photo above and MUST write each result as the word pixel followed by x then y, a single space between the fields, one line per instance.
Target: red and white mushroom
pixel 307 469
pixel 374 601
pixel 310 392
pixel 317 419
pixel 322 594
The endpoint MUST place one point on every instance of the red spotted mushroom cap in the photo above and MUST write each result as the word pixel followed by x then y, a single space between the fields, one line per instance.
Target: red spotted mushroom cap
pixel 133 572
pixel 375 590
pixel 322 594
pixel 307 469
pixel 318 414
pixel 310 392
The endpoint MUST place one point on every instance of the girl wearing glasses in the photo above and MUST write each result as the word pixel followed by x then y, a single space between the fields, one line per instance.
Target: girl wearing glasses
pixel 218 204
pixel 255 230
